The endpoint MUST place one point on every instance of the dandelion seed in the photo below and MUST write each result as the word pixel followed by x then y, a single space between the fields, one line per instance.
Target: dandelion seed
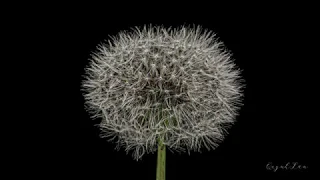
pixel 180 86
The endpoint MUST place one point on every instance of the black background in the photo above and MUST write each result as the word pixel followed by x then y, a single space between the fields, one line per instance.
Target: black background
pixel 274 125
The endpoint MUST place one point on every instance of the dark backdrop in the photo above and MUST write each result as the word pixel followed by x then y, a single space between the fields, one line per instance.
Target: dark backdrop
pixel 267 42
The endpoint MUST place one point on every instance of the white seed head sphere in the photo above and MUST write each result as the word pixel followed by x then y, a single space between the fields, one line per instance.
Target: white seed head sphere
pixel 178 85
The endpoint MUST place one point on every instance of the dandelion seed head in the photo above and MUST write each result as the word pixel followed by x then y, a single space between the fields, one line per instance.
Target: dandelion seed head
pixel 180 85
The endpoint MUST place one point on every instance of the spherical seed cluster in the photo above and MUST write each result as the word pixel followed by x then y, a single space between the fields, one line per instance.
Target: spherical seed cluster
pixel 178 85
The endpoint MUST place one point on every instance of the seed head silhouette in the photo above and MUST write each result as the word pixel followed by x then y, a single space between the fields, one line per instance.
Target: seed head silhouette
pixel 179 85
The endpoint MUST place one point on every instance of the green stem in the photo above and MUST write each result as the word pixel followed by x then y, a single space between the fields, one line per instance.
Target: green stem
pixel 161 161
